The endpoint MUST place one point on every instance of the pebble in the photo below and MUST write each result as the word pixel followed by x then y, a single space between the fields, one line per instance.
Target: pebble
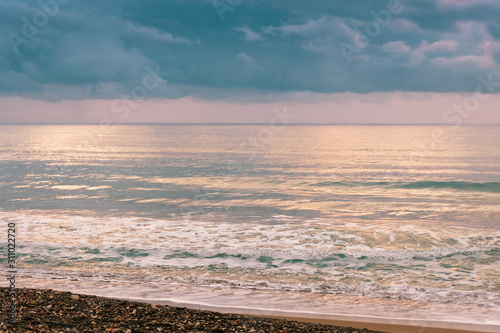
pixel 100 315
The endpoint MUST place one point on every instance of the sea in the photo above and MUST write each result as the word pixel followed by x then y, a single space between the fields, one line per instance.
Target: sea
pixel 385 223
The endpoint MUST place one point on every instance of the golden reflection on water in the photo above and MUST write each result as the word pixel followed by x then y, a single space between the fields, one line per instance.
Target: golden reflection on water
pixel 324 147
pixel 295 162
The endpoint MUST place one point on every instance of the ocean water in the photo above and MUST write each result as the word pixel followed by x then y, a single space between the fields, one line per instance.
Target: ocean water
pixel 396 223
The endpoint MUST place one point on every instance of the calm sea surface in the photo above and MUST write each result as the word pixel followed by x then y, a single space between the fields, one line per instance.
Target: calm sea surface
pixel 398 222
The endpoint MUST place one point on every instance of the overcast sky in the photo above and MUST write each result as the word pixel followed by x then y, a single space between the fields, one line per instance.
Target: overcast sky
pixel 384 61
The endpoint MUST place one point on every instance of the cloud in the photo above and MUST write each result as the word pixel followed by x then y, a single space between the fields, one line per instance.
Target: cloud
pixel 262 47
pixel 425 47
pixel 462 3
pixel 135 31
pixel 439 46
pixel 396 47
pixel 250 35
pixel 321 27
pixel 469 60
pixel 249 62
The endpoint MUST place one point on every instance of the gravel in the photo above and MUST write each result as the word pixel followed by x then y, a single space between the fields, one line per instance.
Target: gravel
pixel 56 311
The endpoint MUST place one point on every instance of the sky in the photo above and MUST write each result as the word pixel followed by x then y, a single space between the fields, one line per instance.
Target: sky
pixel 357 61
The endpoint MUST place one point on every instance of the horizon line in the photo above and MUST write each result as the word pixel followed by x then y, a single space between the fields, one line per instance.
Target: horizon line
pixel 255 124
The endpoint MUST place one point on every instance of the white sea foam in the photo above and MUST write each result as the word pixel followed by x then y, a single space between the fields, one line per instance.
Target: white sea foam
pixel 460 265
pixel 285 241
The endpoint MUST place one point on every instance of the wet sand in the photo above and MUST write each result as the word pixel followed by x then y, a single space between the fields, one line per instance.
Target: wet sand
pixel 392 328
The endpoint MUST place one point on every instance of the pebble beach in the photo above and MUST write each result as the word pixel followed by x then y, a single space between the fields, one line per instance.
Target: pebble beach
pixel 56 311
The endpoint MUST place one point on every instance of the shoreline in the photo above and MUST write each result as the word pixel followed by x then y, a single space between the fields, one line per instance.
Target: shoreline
pixel 358 322
pixel 49 310
pixel 390 328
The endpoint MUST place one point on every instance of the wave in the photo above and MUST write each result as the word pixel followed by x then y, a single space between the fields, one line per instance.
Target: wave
pixel 493 187
pixel 396 290
pixel 321 255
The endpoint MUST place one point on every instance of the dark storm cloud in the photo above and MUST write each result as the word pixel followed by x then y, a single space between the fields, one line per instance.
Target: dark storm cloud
pixel 53 49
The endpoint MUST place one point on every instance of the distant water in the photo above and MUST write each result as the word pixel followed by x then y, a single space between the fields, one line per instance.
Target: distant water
pixel 378 221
